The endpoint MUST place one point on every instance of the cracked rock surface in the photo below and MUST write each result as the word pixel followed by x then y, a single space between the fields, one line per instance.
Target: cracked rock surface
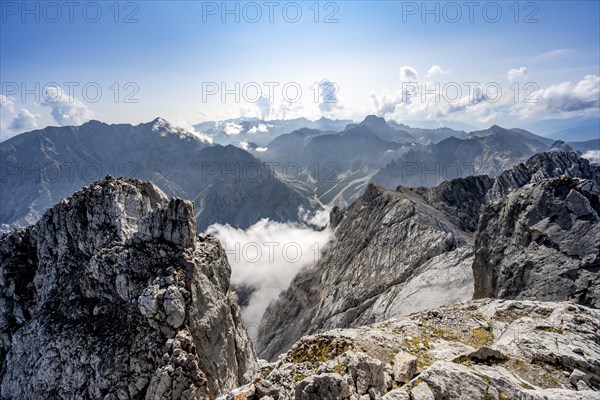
pixel 479 350
pixel 533 232
pixel 113 295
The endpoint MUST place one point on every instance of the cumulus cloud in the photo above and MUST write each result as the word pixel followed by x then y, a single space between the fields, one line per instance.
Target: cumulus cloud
pixel 7 103
pixel 286 108
pixel 408 74
pixel 233 129
pixel 328 94
pixel 563 100
pixel 411 102
pixel 244 145
pixel 553 55
pixel 13 122
pixel 260 128
pixel 264 106
pixel 267 256
pixel 517 73
pixel 485 102
pixel 436 70
pixel 24 121
pixel 66 110
pixel 7 110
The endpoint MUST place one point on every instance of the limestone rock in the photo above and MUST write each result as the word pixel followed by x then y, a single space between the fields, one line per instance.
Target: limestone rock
pixel 485 349
pixel 112 295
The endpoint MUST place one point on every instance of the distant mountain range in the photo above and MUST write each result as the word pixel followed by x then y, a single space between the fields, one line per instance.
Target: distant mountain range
pixel 336 166
pixel 226 183
pixel 261 132
pixel 274 169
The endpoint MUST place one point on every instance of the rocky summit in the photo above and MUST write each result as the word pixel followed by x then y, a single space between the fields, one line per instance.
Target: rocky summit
pixel 480 350
pixel 113 295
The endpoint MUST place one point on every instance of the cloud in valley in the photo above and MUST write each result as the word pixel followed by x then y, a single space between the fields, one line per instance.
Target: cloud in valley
pixel 267 256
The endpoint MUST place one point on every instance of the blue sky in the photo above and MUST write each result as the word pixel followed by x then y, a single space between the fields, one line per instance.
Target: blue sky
pixel 170 53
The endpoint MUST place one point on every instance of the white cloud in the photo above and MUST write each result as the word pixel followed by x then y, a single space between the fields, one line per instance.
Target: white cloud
pixel 471 103
pixel 317 218
pixel 408 74
pixel 553 55
pixel 244 145
pixel 181 128
pixel 461 102
pixel 593 156
pixel 267 256
pixel 329 100
pixel 260 128
pixel 7 103
pixel 13 122
pixel 233 129
pixel 66 110
pixel 24 121
pixel 7 110
pixel 436 70
pixel 261 149
pixel 562 100
pixel 517 73
pixel 265 107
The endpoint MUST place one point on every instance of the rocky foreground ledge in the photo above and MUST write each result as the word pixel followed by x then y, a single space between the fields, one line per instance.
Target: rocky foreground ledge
pixel 480 350
pixel 112 295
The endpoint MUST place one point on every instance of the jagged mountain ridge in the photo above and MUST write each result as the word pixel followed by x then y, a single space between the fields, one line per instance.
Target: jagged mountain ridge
pixel 112 295
pixel 227 184
pixel 261 132
pixel 387 244
pixel 487 152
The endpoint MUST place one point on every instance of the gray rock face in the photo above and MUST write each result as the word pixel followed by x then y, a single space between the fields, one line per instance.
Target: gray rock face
pixel 112 295
pixel 487 152
pixel 486 349
pixel 392 254
pixel 541 242
pixel 399 252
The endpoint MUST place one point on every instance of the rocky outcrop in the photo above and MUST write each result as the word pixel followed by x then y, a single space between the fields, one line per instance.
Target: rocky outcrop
pixel 394 253
pixel 487 349
pixel 461 199
pixel 112 295
pixel 541 242
pixel 542 166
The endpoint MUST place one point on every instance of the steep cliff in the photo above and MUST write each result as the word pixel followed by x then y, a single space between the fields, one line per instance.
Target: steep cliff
pixel 394 253
pixel 113 295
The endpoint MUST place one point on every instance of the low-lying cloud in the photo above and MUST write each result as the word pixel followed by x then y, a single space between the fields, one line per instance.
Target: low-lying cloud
pixel 267 256
pixel 593 156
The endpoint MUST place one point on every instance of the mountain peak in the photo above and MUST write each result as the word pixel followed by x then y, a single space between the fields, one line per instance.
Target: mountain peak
pixel 370 119
pixel 560 145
